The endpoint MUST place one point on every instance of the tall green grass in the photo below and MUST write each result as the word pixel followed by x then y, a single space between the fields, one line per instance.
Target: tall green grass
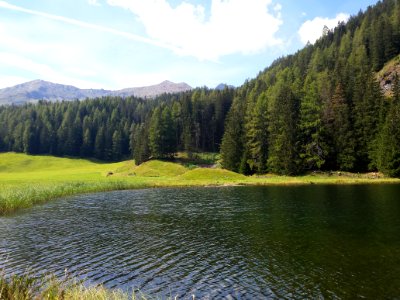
pixel 29 288
pixel 19 196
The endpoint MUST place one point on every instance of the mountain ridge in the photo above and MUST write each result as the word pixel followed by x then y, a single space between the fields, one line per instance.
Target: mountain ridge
pixel 35 90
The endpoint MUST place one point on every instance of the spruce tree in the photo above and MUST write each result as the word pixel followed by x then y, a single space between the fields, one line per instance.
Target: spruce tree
pixel 87 144
pixel 340 132
pixel 232 141
pixel 283 153
pixel 116 145
pixel 99 144
pixel 313 149
pixel 141 151
pixel 155 132
pixel 256 136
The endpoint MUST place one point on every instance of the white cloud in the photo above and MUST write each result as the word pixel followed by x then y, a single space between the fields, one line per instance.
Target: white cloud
pixel 311 30
pixel 94 2
pixel 278 7
pixel 134 37
pixel 233 26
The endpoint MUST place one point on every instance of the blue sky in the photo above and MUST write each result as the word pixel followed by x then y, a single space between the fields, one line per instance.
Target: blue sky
pixel 114 44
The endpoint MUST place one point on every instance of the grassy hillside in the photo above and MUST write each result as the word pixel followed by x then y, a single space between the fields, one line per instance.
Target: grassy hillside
pixel 29 180
pixel 156 168
pixel 21 166
pixel 211 174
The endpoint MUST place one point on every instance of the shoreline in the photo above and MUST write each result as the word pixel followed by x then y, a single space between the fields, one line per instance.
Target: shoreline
pixel 26 181
pixel 15 196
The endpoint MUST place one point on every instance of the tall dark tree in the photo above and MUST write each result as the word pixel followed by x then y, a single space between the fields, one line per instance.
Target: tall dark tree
pixel 99 144
pixel 28 139
pixel 232 142
pixel 283 152
pixel 256 136
pixel 116 145
pixel 141 151
pixel 87 144
pixel 313 149
pixel 338 125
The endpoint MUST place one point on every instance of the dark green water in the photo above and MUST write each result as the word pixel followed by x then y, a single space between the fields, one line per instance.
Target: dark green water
pixel 236 242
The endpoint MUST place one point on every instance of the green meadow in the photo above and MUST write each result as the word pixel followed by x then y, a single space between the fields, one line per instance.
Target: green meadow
pixel 29 180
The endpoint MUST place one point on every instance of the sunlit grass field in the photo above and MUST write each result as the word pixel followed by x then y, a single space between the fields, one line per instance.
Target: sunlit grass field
pixel 28 180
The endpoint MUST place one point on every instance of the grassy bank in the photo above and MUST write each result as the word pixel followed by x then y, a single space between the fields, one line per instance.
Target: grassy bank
pixel 27 288
pixel 29 180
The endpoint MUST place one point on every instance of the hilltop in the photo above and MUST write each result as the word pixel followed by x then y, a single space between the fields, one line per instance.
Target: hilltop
pixel 36 90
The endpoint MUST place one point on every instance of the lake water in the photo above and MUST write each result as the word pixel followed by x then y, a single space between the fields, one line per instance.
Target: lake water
pixel 233 242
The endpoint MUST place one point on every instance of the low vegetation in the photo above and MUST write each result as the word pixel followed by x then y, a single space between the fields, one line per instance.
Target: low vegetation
pixel 28 288
pixel 29 180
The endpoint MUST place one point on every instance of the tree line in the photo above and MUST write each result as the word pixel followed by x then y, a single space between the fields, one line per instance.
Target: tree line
pixel 115 128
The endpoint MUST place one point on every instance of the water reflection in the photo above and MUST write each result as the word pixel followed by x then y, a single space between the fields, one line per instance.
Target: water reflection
pixel 241 242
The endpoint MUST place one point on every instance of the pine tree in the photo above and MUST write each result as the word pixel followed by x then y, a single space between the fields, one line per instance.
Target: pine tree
pixel 256 135
pixel 141 151
pixel 283 153
pixel 99 144
pixel 367 100
pixel 232 141
pixel 116 145
pixel 155 134
pixel 339 129
pixel 28 139
pixel 168 133
pixel 87 144
pixel 313 149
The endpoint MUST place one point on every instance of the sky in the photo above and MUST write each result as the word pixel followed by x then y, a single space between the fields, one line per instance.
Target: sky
pixel 115 44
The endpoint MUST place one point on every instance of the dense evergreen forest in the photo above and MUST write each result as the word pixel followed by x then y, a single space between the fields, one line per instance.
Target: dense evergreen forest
pixel 113 128
pixel 322 108
pixel 319 109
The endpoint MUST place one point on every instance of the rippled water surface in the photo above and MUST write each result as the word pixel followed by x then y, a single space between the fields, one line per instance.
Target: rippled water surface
pixel 236 242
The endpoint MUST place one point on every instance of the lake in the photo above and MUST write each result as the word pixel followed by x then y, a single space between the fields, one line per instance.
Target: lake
pixel 231 242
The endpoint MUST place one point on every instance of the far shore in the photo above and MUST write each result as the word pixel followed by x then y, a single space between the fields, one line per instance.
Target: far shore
pixel 26 181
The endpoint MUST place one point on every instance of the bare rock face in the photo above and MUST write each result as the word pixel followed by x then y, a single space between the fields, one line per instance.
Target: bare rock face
pixel 36 90
pixel 387 74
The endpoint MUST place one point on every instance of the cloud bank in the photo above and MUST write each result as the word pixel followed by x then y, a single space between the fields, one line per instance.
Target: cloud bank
pixel 232 26
pixel 311 30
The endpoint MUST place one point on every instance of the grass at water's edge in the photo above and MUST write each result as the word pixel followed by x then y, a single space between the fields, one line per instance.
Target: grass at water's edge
pixel 18 196
pixel 28 288
pixel 29 180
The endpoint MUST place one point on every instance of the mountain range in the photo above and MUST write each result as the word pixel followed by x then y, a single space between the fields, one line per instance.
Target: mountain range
pixel 36 90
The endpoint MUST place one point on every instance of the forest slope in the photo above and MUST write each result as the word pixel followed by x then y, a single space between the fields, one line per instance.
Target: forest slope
pixel 323 107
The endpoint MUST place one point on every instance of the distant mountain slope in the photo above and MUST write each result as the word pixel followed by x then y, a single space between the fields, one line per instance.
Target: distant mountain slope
pixel 154 90
pixel 33 91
